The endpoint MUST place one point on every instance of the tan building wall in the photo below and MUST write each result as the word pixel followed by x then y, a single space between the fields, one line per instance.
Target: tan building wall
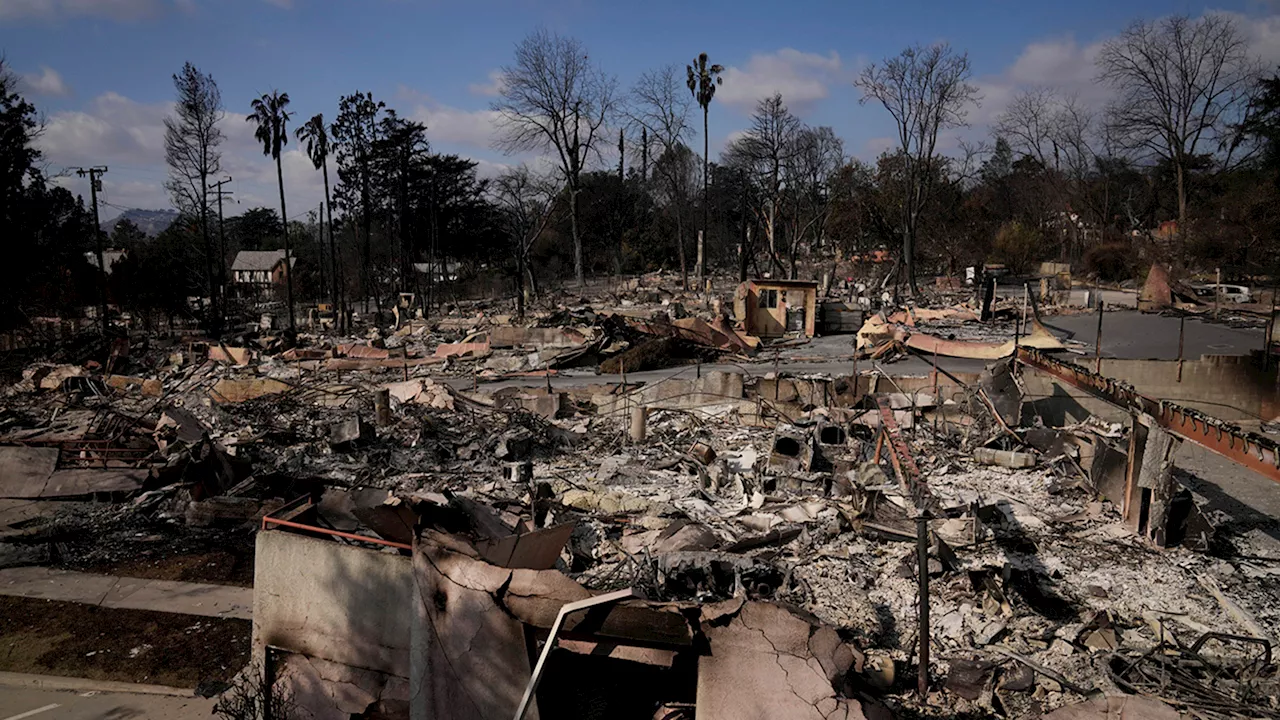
pixel 761 306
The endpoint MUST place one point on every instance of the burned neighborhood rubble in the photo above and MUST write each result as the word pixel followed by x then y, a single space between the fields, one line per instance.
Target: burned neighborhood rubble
pixel 478 516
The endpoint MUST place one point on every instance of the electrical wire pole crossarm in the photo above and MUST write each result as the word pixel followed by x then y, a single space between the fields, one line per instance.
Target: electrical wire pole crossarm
pixel 95 182
pixel 222 239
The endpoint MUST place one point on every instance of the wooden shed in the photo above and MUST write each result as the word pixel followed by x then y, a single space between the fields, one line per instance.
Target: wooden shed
pixel 773 308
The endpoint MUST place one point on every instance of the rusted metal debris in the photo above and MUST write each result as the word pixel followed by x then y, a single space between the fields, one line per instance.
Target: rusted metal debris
pixel 1256 452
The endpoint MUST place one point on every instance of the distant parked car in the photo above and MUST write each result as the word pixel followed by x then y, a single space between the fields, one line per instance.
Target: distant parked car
pixel 1230 293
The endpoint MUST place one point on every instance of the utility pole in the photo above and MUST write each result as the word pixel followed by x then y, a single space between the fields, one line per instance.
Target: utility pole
pixel 95 173
pixel 222 244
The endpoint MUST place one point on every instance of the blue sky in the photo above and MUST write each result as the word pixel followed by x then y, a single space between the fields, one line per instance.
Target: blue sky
pixel 99 70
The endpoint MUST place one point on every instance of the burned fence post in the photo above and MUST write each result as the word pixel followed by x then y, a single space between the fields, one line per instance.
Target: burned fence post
pixel 1182 329
pixel 639 419
pixel 1097 346
pixel 382 406
pixel 922 559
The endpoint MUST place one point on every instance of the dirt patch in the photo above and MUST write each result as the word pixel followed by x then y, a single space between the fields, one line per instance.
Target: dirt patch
pixel 48 637
pixel 218 567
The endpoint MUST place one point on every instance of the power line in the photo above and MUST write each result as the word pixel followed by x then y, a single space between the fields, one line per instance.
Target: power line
pixel 95 184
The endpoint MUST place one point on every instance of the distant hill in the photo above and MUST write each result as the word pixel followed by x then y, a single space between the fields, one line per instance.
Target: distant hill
pixel 151 222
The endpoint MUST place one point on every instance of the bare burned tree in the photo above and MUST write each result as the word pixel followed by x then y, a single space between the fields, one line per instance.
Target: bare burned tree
pixel 1182 87
pixel 818 155
pixel 661 108
pixel 191 140
pixel 526 203
pixel 764 152
pixel 555 99
pixel 926 90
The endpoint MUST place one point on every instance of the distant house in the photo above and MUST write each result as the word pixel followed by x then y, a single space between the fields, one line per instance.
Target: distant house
pixel 258 272
pixel 445 271
pixel 109 257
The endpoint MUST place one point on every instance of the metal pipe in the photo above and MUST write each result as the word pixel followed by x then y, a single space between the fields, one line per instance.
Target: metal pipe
pixel 536 677
pixel 922 558
pixel 1182 330
pixel 1097 345
pixel 336 533
pixel 1217 292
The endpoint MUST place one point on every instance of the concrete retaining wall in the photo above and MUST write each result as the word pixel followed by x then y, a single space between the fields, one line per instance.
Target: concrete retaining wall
pixel 341 603
pixel 1227 387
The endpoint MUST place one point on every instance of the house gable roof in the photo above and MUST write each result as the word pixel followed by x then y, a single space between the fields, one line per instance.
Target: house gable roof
pixel 260 260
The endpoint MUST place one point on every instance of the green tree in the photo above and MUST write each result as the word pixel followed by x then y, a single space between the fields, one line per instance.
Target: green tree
pixel 271 118
pixel 1016 247
pixel 45 228
pixel 354 135
pixel 703 80
pixel 126 235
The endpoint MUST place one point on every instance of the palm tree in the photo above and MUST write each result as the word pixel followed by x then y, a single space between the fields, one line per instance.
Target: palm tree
pixel 271 117
pixel 314 133
pixel 703 80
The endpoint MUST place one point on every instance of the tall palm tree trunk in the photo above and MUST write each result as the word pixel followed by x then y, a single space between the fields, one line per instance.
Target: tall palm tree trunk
pixel 702 238
pixel 333 251
pixel 288 264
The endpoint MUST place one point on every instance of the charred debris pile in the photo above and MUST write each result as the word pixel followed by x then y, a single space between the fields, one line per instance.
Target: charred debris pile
pixel 1049 586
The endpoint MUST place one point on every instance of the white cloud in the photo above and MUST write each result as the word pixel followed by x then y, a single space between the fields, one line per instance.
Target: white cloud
pixel 876 146
pixel 128 137
pixel 1069 67
pixel 112 128
pixel 1061 64
pixel 1263 36
pixel 52 9
pixel 490 88
pixel 45 82
pixel 450 125
pixel 802 78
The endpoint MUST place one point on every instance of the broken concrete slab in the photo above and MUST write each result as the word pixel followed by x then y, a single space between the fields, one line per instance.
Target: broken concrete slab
pixel 350 433
pixel 366 352
pixel 549 406
pixel 230 355
pixel 508 336
pixel 24 471
pixel 463 350
pixel 230 390
pixel 75 482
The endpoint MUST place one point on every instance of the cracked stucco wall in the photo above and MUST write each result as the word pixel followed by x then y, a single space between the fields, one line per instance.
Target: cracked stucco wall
pixel 341 603
pixel 766 662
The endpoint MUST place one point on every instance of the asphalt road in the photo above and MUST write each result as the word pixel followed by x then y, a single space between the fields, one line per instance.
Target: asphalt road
pixel 24 704
pixel 1125 334
pixel 1132 335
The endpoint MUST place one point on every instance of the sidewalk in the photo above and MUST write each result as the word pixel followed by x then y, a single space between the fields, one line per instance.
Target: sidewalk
pixel 79 703
pixel 216 601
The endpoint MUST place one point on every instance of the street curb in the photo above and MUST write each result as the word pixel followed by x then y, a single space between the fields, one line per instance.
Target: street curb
pixel 55 682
